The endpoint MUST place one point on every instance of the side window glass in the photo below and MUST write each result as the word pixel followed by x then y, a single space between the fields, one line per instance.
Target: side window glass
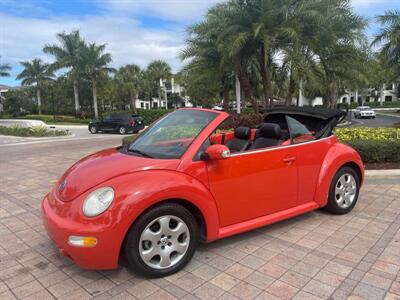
pixel 298 132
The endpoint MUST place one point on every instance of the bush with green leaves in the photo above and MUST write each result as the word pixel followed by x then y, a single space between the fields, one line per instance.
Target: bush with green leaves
pixel 148 115
pixel 57 119
pixel 37 131
pixel 373 151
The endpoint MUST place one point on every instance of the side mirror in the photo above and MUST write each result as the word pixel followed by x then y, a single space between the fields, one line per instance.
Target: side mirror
pixel 216 152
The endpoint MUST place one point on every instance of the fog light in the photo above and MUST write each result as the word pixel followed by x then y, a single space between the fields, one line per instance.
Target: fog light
pixel 82 241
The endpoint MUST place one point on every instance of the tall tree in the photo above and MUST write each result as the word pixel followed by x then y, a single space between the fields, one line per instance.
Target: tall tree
pixel 68 54
pixel 158 70
pixel 4 70
pixel 388 38
pixel 36 72
pixel 130 78
pixel 95 65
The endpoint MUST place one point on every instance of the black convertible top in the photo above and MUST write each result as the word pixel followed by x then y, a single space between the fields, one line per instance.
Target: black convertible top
pixel 317 112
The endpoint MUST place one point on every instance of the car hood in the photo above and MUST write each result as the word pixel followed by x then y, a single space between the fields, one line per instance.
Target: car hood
pixel 101 167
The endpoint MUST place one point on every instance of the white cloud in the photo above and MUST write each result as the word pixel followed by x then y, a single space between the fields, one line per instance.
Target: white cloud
pixel 174 10
pixel 23 38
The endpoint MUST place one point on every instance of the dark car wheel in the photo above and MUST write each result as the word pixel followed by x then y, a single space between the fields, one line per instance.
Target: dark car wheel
pixel 162 241
pixel 93 129
pixel 343 192
pixel 122 130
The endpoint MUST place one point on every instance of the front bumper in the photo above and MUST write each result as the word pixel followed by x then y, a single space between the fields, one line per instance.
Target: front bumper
pixel 104 255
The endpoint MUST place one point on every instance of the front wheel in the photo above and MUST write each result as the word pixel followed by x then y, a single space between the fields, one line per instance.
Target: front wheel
pixel 343 192
pixel 162 241
pixel 122 130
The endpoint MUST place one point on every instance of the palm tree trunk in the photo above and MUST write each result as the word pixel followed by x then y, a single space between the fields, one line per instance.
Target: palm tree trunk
pixel 39 100
pixel 225 97
pixel 96 111
pixel 266 77
pixel 133 101
pixel 291 89
pixel 76 97
pixel 245 82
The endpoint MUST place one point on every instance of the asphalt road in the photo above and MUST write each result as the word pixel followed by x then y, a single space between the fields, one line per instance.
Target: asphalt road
pixel 78 133
pixel 380 121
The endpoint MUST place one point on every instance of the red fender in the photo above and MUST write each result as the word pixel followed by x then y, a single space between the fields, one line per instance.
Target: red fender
pixel 141 190
pixel 337 156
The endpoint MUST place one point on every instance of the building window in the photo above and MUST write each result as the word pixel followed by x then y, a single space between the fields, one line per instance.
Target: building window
pixel 147 106
pixel 141 104
pixel 351 99
pixel 388 98
pixel 367 99
pixel 155 105
pixel 344 100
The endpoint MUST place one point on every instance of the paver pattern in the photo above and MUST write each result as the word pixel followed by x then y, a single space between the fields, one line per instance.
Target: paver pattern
pixel 314 256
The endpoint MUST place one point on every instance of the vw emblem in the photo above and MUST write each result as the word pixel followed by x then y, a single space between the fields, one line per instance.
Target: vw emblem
pixel 62 185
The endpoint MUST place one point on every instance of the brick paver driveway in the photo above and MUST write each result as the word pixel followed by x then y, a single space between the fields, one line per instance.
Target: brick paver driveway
pixel 313 256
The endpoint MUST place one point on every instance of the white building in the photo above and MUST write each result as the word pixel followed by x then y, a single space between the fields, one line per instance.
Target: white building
pixel 173 88
pixel 3 89
pixel 363 96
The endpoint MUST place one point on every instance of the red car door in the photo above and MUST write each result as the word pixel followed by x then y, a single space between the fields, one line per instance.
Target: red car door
pixel 253 184
pixel 310 154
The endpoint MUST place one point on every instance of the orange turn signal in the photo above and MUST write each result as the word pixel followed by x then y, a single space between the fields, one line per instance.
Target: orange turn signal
pixel 82 241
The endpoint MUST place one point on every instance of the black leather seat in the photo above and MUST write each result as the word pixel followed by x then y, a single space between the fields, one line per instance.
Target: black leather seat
pixel 241 141
pixel 268 135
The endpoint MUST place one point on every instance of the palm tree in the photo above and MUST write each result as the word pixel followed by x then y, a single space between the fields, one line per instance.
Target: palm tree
pixel 389 38
pixel 158 70
pixel 4 68
pixel 68 55
pixel 36 72
pixel 95 65
pixel 130 78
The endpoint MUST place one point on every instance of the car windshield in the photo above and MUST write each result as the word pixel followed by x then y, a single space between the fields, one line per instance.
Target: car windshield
pixel 172 135
pixel 365 108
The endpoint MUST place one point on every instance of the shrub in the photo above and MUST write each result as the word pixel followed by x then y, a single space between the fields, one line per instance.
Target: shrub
pixel 149 115
pixel 373 151
pixel 37 131
pixel 367 133
pixel 248 119
pixel 58 119
pixel 377 104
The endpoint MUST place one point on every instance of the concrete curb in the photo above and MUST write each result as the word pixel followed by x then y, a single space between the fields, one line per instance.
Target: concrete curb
pixel 382 173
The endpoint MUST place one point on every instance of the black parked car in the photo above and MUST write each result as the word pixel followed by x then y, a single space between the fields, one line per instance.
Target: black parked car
pixel 120 123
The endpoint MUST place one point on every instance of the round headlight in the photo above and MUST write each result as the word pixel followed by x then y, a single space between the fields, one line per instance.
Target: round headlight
pixel 98 201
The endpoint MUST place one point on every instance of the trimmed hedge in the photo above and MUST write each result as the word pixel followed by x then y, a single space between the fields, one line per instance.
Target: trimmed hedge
pixel 149 115
pixel 377 104
pixel 377 151
pixel 38 131
pixel 58 119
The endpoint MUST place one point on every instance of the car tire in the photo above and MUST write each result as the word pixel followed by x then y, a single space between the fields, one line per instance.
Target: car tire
pixel 93 129
pixel 343 192
pixel 168 251
pixel 122 130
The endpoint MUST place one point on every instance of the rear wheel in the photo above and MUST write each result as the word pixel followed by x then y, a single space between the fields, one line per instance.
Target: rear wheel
pixel 93 129
pixel 162 241
pixel 344 189
pixel 122 130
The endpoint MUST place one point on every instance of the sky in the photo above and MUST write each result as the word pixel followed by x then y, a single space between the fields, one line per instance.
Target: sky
pixel 135 31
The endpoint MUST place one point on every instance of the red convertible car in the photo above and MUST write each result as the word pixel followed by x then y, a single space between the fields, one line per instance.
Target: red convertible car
pixel 183 181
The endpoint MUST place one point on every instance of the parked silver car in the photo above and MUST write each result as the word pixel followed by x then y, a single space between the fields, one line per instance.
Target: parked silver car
pixel 364 112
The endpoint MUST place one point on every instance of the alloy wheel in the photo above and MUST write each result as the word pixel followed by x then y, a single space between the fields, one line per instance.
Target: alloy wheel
pixel 345 190
pixel 164 242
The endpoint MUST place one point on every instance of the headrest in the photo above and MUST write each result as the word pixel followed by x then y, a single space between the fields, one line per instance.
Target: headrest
pixel 243 133
pixel 269 130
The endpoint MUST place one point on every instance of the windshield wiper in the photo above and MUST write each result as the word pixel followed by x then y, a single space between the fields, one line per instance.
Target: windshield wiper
pixel 140 152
